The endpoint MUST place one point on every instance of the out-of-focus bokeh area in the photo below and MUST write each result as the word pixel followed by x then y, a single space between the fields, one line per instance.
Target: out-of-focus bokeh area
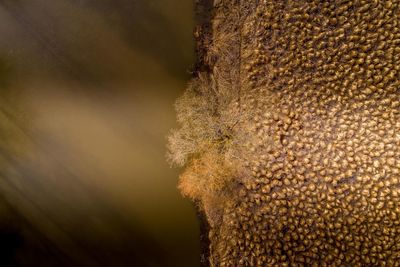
pixel 86 99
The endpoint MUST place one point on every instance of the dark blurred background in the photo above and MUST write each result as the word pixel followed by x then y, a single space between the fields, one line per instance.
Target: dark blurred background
pixel 86 99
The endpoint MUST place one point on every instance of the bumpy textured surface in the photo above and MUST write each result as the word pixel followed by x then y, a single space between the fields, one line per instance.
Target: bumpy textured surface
pixel 314 155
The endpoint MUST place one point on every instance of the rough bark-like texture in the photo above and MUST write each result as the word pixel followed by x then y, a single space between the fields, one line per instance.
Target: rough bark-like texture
pixel 308 174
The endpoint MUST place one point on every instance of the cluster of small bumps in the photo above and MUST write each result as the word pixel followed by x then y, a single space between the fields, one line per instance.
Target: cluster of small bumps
pixel 322 186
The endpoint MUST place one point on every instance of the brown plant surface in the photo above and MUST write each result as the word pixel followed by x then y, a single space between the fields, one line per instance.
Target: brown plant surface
pixel 308 174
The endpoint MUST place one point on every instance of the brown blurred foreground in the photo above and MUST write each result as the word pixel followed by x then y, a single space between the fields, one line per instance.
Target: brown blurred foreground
pixel 86 102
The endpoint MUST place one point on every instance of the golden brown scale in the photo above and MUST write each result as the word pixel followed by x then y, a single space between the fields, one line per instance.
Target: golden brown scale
pixel 317 176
